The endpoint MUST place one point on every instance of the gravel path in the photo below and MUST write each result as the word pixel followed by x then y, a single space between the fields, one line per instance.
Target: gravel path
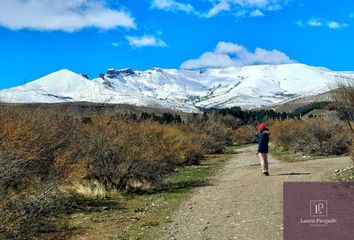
pixel 243 204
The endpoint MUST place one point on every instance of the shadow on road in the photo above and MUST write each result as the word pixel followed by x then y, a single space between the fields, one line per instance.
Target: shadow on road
pixel 291 174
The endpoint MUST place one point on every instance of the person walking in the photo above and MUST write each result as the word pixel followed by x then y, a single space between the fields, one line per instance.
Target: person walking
pixel 263 140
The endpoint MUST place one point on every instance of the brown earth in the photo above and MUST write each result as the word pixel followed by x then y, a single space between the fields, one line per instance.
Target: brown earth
pixel 243 204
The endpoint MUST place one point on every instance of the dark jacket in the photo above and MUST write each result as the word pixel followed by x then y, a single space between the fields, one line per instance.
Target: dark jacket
pixel 263 140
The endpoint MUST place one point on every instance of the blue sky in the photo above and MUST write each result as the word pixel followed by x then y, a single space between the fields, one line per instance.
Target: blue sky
pixel 38 37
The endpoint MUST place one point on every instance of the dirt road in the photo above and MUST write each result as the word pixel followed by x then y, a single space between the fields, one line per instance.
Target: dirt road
pixel 243 204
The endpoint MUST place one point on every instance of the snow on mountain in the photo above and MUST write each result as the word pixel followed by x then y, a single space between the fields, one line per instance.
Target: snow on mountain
pixel 67 86
pixel 186 90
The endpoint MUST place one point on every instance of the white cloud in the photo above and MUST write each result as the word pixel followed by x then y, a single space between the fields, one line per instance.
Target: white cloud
pixel 254 8
pixel 319 22
pixel 64 15
pixel 239 8
pixel 216 9
pixel 228 54
pixel 172 5
pixel 337 25
pixel 270 4
pixel 315 22
pixel 229 48
pixel 115 44
pixel 257 13
pixel 145 41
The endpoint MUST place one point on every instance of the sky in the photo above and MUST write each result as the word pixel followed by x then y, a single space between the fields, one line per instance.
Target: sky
pixel 38 37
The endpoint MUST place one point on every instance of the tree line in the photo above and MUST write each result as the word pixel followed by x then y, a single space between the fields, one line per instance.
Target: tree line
pixel 245 117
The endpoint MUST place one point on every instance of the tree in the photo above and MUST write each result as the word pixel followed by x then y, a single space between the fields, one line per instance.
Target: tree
pixel 343 96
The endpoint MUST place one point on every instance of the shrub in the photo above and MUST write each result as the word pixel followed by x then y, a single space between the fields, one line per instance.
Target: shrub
pixel 316 136
pixel 35 155
pixel 45 153
pixel 287 133
pixel 343 97
pixel 216 136
pixel 118 150
pixel 228 121
pixel 245 134
pixel 328 136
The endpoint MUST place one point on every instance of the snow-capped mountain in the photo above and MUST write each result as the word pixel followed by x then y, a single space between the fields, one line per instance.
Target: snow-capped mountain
pixel 186 90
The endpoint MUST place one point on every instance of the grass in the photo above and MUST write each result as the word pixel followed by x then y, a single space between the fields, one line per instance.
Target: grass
pixel 343 175
pixel 140 216
pixel 287 155
pixel 340 175
pixel 234 149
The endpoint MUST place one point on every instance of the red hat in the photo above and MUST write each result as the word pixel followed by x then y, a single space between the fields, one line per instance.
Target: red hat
pixel 261 127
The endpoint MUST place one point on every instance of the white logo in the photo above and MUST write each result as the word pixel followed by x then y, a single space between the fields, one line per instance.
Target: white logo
pixel 319 208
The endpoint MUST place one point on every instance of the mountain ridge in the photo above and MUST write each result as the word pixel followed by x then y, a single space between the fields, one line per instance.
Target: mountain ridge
pixel 187 90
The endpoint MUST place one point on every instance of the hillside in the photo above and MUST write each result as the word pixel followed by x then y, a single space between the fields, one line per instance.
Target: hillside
pixel 186 90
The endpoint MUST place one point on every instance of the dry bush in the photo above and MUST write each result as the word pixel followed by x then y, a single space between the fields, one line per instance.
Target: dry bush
pixel 35 142
pixel 216 136
pixel 44 152
pixel 219 137
pixel 245 134
pixel 322 136
pixel 33 150
pixel 92 190
pixel 343 96
pixel 329 136
pixel 182 147
pixel 228 121
pixel 119 151
pixel 287 133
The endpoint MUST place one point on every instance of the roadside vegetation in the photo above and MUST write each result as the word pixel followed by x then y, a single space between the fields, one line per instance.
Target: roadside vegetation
pixel 55 164
pixel 143 214
pixel 343 96
pixel 68 173
pixel 321 136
